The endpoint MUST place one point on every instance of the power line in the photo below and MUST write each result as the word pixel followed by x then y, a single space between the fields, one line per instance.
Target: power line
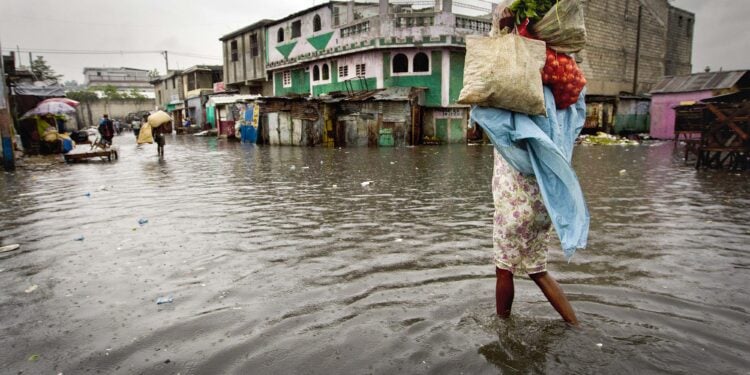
pixel 113 52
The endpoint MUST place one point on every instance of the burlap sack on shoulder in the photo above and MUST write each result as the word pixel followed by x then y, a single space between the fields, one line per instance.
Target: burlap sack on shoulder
pixel 504 71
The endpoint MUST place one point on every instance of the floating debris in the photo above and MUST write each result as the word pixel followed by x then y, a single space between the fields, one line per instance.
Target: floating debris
pixel 34 357
pixel 367 183
pixel 31 289
pixel 142 221
pixel 9 248
pixel 605 139
pixel 623 172
pixel 164 300
pixel 80 238
pixel 599 345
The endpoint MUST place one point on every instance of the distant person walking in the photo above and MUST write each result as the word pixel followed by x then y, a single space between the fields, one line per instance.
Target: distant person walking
pixel 106 129
pixel 160 140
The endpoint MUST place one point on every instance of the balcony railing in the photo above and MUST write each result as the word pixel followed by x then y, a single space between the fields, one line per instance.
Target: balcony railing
pixel 413 19
pixel 475 24
pixel 359 28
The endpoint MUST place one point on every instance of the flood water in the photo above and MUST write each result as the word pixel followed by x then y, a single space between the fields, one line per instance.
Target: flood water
pixel 279 261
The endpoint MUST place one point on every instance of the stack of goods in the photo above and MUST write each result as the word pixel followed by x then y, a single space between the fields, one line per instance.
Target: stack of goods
pixel 563 30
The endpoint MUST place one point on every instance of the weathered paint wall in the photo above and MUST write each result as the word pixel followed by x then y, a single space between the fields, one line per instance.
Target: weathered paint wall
pixel 432 80
pixel 246 67
pixel 300 83
pixel 309 41
pixel 457 60
pixel 633 116
pixel 663 115
pixel 446 125
pixel 372 61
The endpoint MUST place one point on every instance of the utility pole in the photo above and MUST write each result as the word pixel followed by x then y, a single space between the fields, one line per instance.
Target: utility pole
pixel 637 50
pixel 9 160
pixel 166 60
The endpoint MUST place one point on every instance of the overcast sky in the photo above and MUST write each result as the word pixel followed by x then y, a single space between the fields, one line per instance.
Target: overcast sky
pixel 193 28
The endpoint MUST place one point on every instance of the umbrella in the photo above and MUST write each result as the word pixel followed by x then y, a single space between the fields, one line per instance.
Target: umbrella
pixel 67 101
pixel 158 119
pixel 54 108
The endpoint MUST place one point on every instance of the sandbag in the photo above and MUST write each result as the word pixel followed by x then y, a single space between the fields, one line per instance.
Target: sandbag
pixel 145 135
pixel 504 71
pixel 158 119
pixel 563 28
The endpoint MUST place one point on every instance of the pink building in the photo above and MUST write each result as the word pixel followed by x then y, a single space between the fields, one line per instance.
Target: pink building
pixel 675 90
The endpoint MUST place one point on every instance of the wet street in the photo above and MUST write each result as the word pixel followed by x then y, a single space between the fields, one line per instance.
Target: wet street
pixel 279 261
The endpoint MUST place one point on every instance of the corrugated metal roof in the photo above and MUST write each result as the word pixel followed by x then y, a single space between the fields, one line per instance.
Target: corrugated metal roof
pixel 229 99
pixel 699 82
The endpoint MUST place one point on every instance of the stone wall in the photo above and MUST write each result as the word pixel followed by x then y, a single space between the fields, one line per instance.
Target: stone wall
pixel 609 59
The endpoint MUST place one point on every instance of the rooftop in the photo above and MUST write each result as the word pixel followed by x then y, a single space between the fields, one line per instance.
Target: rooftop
pixel 700 82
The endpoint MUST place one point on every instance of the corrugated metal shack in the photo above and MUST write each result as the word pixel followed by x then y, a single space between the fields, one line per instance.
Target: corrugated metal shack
pixel 289 121
pixel 633 115
pixel 671 92
pixel 385 117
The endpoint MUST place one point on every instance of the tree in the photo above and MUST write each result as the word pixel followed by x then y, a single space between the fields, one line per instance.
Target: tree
pixel 72 83
pixel 153 73
pixel 135 94
pixel 82 96
pixel 42 71
pixel 110 92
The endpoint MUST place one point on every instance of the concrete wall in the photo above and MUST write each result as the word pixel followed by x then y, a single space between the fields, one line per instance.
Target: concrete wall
pixel 679 42
pixel 663 115
pixel 90 113
pixel 609 57
pixel 247 67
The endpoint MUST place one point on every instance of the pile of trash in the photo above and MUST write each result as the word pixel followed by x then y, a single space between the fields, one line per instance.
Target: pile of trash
pixel 606 140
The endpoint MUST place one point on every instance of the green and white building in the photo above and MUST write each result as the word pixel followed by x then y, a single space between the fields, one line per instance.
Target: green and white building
pixel 348 47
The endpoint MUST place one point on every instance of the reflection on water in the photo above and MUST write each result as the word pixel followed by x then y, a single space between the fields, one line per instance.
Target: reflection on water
pixel 280 261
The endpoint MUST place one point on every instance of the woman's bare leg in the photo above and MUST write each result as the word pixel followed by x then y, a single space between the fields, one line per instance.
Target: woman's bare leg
pixel 555 296
pixel 504 292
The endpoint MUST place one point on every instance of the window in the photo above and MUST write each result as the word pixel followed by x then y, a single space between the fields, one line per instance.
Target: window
pixel 335 16
pixel 400 63
pixel 316 73
pixel 286 79
pixel 233 51
pixel 360 70
pixel 689 27
pixel 254 45
pixel 296 29
pixel 98 74
pixel 316 23
pixel 326 72
pixel 280 35
pixel 421 63
pixel 343 71
pixel 679 21
pixel 174 82
pixel 191 82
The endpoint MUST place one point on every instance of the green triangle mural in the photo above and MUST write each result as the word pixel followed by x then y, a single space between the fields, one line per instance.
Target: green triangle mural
pixel 320 42
pixel 286 49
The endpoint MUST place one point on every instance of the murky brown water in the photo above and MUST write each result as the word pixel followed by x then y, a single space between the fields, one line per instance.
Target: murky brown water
pixel 277 270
